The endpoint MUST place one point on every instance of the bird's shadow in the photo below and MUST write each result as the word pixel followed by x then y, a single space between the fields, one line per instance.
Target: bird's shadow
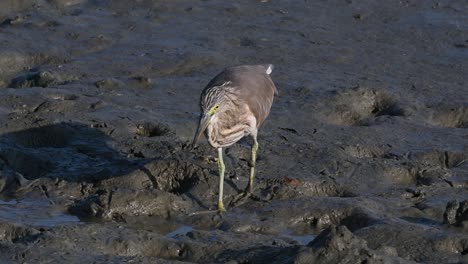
pixel 76 153
pixel 72 151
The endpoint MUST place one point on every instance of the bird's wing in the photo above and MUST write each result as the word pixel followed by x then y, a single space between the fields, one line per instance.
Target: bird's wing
pixel 254 87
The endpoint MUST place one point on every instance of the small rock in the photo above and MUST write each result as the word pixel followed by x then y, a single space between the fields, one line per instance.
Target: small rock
pixel 36 79
pixel 11 21
pixel 109 83
pixel 388 250
pixel 456 213
pixel 462 212
pixel 357 16
pixel 143 80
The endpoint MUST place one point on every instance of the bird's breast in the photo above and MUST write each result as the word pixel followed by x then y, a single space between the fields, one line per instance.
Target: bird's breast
pixel 224 131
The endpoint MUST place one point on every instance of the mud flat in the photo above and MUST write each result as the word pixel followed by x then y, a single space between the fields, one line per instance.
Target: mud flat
pixel 362 160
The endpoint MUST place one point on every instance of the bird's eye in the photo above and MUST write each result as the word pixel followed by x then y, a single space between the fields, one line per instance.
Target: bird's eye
pixel 214 109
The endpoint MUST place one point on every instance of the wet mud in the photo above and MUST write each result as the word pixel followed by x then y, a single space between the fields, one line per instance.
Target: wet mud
pixel 363 158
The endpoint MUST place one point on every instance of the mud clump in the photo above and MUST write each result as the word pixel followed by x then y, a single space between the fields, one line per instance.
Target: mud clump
pixel 155 189
pixel 287 188
pixel 437 158
pixel 143 81
pixel 109 83
pixel 121 203
pixel 456 213
pixel 16 233
pixel 360 106
pixel 450 116
pixel 339 245
pixel 36 79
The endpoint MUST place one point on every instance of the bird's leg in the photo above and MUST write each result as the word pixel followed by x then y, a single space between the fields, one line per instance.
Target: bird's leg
pixel 221 169
pixel 248 192
pixel 249 188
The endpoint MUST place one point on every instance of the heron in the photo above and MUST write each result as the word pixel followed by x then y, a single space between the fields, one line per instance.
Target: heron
pixel 234 104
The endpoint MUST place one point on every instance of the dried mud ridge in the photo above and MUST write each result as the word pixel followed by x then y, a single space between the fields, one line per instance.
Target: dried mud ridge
pixel 362 160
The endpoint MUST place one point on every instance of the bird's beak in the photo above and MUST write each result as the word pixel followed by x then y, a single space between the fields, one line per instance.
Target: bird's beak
pixel 204 121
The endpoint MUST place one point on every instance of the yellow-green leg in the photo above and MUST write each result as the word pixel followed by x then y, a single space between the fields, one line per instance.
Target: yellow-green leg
pixel 248 192
pixel 221 169
pixel 249 188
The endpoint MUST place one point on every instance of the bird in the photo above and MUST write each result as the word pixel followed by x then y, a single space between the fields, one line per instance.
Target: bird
pixel 233 105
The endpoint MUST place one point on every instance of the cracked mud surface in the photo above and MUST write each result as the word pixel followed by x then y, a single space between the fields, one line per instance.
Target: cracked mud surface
pixel 363 158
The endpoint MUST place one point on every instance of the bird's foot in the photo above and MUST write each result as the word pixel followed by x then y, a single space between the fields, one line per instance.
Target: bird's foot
pixel 220 210
pixel 217 211
pixel 203 212
pixel 243 197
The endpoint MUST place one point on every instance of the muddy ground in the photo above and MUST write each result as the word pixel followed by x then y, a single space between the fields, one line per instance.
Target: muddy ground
pixel 363 158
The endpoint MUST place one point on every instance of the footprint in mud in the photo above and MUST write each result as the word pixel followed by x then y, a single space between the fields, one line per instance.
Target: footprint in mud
pixel 360 106
pixel 149 129
pixel 452 116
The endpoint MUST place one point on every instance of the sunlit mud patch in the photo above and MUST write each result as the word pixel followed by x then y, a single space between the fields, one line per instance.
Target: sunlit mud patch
pixel 450 116
pixel 287 188
pixel 123 203
pixel 34 213
pixel 359 106
pixel 324 212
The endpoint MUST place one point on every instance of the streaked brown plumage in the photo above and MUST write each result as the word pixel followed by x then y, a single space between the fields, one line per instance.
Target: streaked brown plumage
pixel 234 104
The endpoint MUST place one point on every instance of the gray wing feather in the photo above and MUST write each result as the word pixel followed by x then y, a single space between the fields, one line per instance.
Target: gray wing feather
pixel 252 85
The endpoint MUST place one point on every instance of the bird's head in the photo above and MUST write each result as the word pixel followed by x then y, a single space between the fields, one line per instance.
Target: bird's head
pixel 205 119
pixel 213 100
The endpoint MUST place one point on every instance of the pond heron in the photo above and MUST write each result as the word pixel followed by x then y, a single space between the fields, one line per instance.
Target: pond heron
pixel 234 104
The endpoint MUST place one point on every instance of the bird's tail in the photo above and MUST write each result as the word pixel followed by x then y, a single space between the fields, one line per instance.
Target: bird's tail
pixel 268 68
